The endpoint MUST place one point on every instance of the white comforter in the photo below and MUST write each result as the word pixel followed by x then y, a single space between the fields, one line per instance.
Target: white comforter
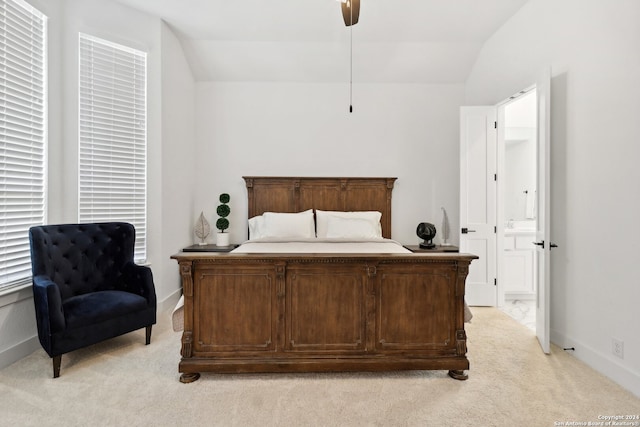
pixel 318 246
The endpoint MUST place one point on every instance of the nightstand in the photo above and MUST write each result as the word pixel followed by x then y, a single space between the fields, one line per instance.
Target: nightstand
pixel 438 248
pixel 209 248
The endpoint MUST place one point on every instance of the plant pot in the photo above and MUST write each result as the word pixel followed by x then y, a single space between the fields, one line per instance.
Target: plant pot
pixel 222 239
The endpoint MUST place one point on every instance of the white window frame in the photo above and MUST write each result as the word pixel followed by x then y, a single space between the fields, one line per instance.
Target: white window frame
pixel 112 120
pixel 23 136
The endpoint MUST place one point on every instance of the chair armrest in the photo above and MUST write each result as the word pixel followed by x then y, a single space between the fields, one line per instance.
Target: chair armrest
pixel 48 305
pixel 138 279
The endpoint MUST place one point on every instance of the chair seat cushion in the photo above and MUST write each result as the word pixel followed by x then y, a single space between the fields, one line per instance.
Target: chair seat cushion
pixel 96 307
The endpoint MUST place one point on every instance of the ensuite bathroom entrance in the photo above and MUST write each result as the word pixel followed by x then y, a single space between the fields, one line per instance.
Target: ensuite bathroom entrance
pixel 517 207
pixel 505 205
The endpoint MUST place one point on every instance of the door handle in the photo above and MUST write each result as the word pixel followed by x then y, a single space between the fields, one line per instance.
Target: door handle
pixel 465 230
pixel 539 244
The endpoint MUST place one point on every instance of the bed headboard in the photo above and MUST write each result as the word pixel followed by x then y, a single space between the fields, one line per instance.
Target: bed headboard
pixel 296 194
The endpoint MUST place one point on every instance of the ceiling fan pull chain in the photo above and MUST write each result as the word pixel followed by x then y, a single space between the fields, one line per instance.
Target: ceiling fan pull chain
pixel 351 61
pixel 348 16
pixel 351 69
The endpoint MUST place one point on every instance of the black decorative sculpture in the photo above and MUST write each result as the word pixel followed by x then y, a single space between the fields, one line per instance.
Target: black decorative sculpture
pixel 427 232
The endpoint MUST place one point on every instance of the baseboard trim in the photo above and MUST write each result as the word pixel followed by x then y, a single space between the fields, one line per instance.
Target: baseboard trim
pixel 523 296
pixel 169 303
pixel 604 364
pixel 18 351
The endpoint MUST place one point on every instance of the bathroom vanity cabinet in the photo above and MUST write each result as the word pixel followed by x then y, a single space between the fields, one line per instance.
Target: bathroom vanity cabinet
pixel 519 264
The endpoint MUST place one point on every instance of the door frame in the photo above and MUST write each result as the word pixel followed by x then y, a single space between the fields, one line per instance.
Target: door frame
pixel 543 236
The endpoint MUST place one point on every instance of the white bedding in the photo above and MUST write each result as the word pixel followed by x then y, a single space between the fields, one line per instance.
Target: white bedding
pixel 318 246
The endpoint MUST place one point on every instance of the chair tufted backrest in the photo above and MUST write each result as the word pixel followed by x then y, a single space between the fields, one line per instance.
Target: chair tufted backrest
pixel 81 258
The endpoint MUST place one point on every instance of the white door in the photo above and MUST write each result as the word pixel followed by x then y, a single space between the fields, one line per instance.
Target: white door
pixel 478 201
pixel 543 235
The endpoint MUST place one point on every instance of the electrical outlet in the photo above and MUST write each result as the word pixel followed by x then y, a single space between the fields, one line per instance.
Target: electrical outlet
pixel 617 348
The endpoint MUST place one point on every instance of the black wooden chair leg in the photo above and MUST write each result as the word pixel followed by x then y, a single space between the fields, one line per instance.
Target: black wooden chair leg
pixel 56 365
pixel 148 335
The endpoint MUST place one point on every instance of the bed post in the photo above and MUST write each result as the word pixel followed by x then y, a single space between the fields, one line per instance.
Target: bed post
pixel 186 271
pixel 386 217
pixel 461 336
pixel 250 197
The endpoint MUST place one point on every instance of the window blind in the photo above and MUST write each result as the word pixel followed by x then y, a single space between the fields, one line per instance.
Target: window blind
pixel 22 135
pixel 113 136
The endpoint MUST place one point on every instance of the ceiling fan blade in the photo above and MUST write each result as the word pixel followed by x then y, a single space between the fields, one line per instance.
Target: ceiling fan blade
pixel 348 15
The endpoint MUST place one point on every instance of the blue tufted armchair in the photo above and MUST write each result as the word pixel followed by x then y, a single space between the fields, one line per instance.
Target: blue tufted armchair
pixel 86 287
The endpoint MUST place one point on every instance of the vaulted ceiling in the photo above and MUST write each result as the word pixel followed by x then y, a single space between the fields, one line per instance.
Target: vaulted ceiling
pixel 399 41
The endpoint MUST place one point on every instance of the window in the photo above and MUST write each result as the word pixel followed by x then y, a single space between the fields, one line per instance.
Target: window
pixel 113 136
pixel 23 135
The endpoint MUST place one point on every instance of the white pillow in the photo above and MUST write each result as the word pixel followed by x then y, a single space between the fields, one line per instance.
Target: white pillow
pixel 289 225
pixel 322 219
pixel 351 228
pixel 256 227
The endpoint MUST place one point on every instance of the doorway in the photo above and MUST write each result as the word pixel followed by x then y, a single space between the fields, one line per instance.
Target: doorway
pixel 482 213
pixel 516 207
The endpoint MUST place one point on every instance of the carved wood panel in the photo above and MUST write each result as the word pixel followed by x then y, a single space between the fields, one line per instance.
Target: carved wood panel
pixel 415 308
pixel 234 309
pixel 327 196
pixel 325 311
pixel 271 196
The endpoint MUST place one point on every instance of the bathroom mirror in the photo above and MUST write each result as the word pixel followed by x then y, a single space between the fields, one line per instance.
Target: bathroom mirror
pixel 520 162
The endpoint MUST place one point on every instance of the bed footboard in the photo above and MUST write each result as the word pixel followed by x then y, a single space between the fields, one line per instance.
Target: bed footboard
pixel 320 313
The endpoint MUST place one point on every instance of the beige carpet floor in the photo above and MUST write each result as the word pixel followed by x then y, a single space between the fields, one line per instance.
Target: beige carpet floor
pixel 122 382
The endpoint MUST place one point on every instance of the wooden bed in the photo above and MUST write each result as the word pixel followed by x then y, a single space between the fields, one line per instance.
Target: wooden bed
pixel 322 312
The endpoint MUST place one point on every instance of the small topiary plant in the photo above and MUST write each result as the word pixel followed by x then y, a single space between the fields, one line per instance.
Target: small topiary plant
pixel 223 212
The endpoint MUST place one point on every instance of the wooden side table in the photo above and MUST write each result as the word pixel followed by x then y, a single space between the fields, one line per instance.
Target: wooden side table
pixel 438 248
pixel 209 248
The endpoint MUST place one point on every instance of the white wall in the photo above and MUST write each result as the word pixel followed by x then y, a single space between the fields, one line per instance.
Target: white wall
pixel 593 49
pixel 177 172
pixel 298 129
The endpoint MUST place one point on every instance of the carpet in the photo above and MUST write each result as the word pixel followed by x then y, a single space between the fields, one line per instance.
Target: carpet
pixel 122 382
